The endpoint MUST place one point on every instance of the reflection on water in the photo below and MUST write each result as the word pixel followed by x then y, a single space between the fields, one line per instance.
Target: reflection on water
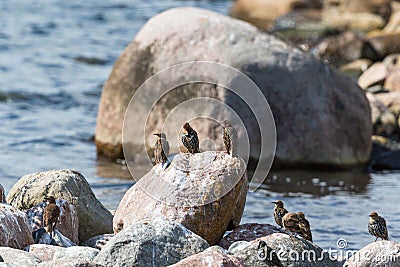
pixel 316 183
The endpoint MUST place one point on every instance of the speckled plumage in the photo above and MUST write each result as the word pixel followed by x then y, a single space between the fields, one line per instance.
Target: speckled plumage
pixel 161 149
pixel 291 222
pixel 377 226
pixel 50 215
pixel 229 137
pixel 190 139
pixel 305 227
pixel 279 212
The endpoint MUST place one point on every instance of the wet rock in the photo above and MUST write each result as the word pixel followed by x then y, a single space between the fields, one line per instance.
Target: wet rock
pixel 248 232
pixel 2 194
pixel 44 252
pixel 385 154
pixel 78 252
pixel 18 257
pixel 94 218
pixel 98 241
pixel 153 243
pixel 275 249
pixel 343 48
pixel 206 192
pixel 214 256
pixel 15 231
pixel 281 72
pixel 68 223
pixel 381 253
pixel 383 121
pixel 262 13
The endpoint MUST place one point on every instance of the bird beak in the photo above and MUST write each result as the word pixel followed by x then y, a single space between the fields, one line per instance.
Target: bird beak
pixel 273 202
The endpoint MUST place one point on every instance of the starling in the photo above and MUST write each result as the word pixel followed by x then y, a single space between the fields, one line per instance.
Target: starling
pixel 305 227
pixel 161 149
pixel 190 139
pixel 291 222
pixel 279 212
pixel 50 215
pixel 377 226
pixel 229 136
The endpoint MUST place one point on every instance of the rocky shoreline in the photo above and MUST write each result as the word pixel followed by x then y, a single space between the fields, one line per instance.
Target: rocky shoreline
pixel 149 229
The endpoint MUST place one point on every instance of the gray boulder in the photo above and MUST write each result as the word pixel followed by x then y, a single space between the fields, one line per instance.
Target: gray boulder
pixel 248 232
pixel 18 257
pixel 281 250
pixel 15 231
pixel 206 192
pixel 213 256
pixel 322 117
pixel 156 243
pixel 381 253
pixel 76 252
pixel 30 190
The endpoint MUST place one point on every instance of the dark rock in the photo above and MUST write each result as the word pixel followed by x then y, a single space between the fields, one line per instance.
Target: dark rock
pixel 248 232
pixel 344 48
pixel 279 249
pixel 156 243
pixel 30 190
pixel 42 237
pixel 385 155
pixel 385 44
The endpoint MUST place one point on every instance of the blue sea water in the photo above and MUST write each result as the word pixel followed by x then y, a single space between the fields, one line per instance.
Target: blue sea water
pixel 55 57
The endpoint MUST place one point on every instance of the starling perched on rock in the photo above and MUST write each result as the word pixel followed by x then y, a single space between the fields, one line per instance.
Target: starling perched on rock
pixel 161 149
pixel 291 222
pixel 279 212
pixel 229 136
pixel 50 215
pixel 190 139
pixel 305 227
pixel 2 194
pixel 377 226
